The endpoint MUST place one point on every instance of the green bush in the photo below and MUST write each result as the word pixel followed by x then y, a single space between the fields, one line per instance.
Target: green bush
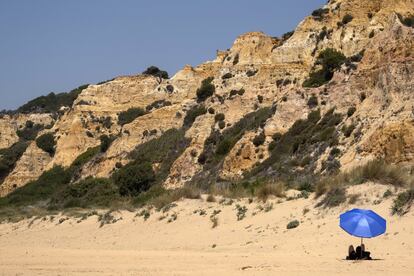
pixel 407 21
pixel 41 189
pixel 84 158
pixel 330 60
pixel 287 35
pixel 351 111
pixel 226 141
pixel 157 104
pixel 47 143
pixel 90 192
pixel 347 130
pixel 403 202
pixel 134 178
pixel 30 131
pixel 128 116
pixel 206 89
pixel 163 150
pixel 300 147
pixel 224 146
pixel 347 18
pixel 52 102
pixel 156 72
pixel 106 142
pixel 259 140
pixel 219 117
pixel 192 114
pixel 313 101
pixel 9 157
pixel 334 197
pixel 319 14
pixel 293 224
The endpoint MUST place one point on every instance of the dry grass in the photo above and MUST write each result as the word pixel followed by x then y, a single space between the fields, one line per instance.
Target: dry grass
pixel 168 197
pixel 211 198
pixel 270 189
pixel 377 171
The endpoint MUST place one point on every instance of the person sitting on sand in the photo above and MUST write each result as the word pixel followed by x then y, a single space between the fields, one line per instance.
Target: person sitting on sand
pixel 366 255
pixel 351 253
pixel 361 254
pixel 358 254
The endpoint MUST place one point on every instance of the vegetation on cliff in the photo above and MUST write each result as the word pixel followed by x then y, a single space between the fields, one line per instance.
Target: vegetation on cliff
pixel 52 102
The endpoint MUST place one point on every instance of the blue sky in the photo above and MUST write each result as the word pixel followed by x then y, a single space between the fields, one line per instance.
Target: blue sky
pixel 56 45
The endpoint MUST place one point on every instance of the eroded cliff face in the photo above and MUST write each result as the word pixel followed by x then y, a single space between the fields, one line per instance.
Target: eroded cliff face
pixel 257 72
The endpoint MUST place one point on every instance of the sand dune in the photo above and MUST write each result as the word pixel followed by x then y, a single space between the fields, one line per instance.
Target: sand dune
pixel 259 244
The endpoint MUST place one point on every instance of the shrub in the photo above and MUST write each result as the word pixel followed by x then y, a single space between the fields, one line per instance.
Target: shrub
pixel 313 101
pixel 236 59
pixel 376 171
pixel 351 111
pixel 211 110
pixel 347 18
pixel 227 76
pixel 156 105
pixel 241 212
pixel 47 143
pixel 306 138
pixel 403 202
pixel 251 73
pixel 83 158
pixel 163 150
pixel 106 142
pixel 126 117
pixel 156 72
pixel 259 140
pixel 330 60
pixel 362 96
pixel 192 114
pixel 334 197
pixel 387 193
pixel 219 117
pixel 211 198
pixel 335 152
pixel 90 192
pixel 9 157
pixel 407 21
pixel 260 98
pixel 319 14
pixel 206 89
pixel 347 130
pixel 236 92
pixel 106 122
pixel 29 132
pixel 293 224
pixel 52 102
pixel 264 191
pixel 39 190
pixel 134 178
pixel 224 146
pixel 221 124
pixel 287 35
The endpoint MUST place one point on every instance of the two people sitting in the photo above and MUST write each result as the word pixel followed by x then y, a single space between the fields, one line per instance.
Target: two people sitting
pixel 359 254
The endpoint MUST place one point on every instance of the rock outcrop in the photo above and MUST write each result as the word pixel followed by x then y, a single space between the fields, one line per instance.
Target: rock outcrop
pixel 374 93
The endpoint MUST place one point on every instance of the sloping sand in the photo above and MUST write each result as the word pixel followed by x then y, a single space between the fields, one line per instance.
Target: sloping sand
pixel 259 244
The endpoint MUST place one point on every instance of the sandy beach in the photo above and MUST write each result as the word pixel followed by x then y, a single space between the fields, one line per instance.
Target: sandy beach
pixel 259 244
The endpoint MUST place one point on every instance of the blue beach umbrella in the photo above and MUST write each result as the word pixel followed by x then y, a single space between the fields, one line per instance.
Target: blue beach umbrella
pixel 363 223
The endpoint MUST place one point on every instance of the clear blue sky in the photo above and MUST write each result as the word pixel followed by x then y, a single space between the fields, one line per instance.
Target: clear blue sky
pixel 57 45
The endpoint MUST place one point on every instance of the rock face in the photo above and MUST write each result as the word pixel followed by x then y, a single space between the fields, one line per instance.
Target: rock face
pixel 257 71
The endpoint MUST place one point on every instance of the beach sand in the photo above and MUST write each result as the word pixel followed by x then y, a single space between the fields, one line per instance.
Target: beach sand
pixel 259 244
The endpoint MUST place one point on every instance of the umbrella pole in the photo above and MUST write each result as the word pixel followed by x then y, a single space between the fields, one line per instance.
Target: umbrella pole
pixel 362 253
